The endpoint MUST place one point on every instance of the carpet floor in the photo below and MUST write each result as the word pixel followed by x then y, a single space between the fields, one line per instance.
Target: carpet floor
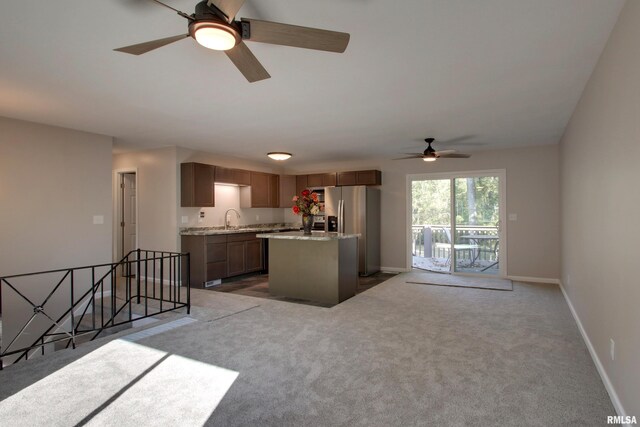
pixel 398 354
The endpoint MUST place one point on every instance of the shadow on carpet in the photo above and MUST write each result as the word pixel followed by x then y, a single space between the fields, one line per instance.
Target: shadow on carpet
pixel 439 279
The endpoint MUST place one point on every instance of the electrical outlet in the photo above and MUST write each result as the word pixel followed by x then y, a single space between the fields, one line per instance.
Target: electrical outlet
pixel 612 349
pixel 185 219
pixel 513 217
pixel 98 219
pixel 257 217
pixel 201 214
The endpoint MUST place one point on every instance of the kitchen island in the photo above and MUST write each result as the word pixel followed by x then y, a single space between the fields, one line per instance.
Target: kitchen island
pixel 322 267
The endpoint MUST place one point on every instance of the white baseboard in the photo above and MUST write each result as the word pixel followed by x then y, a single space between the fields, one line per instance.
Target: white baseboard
pixel 596 360
pixel 533 279
pixel 393 270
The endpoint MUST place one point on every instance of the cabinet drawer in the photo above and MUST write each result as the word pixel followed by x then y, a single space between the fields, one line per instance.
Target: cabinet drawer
pixel 216 239
pixel 241 237
pixel 216 252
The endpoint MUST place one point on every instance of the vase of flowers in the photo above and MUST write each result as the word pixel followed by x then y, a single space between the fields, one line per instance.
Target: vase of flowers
pixel 307 205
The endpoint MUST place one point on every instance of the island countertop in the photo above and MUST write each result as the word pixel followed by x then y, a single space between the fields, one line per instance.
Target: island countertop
pixel 209 231
pixel 315 235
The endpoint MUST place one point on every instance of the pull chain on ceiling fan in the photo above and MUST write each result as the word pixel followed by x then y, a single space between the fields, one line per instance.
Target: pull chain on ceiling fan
pixel 213 25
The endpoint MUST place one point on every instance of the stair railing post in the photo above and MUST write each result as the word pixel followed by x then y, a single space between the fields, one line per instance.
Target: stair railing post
pixel 139 270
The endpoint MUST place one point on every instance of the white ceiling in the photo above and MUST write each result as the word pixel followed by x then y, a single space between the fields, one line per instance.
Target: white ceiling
pixel 504 73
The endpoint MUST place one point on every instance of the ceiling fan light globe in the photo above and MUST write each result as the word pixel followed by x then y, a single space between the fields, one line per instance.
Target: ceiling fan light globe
pixel 429 159
pixel 214 37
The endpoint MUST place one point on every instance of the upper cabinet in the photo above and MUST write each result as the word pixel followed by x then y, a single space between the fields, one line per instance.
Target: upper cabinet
pixel 262 193
pixel 287 189
pixel 317 180
pixel 368 177
pixel 233 176
pixel 301 183
pixel 196 185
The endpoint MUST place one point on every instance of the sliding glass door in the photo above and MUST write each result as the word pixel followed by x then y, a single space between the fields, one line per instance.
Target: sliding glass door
pixel 455 222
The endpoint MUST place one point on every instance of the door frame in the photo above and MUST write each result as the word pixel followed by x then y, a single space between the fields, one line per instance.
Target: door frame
pixel 502 206
pixel 117 210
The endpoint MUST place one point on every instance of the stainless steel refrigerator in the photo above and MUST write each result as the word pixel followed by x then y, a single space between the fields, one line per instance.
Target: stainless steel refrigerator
pixel 357 210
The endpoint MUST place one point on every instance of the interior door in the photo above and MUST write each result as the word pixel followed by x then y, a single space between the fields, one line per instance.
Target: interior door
pixel 128 219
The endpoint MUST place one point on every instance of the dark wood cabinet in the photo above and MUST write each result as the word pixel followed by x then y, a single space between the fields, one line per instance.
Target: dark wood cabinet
pixel 253 253
pixel 370 177
pixel 236 258
pixel 286 190
pixel 263 192
pixel 208 258
pixel 196 185
pixel 221 256
pixel 301 184
pixel 367 177
pixel 244 254
pixel 329 179
pixel 314 180
pixel 233 176
pixel 346 178
pixel 274 191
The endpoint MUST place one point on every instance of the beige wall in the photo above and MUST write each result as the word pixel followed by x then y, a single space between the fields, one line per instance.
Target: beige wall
pixel 52 183
pixel 157 196
pixel 600 205
pixel 532 194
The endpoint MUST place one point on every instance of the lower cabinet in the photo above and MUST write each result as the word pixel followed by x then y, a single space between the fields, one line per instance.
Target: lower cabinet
pixel 221 256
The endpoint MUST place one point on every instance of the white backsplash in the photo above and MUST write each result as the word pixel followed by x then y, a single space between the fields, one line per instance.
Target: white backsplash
pixel 226 197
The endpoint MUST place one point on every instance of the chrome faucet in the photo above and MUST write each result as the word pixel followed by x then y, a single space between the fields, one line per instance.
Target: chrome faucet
pixel 226 218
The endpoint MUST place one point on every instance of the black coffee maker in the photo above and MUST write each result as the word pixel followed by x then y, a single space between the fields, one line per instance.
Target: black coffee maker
pixel 332 223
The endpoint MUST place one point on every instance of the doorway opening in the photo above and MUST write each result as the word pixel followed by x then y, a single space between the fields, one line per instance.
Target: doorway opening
pixel 456 223
pixel 127 216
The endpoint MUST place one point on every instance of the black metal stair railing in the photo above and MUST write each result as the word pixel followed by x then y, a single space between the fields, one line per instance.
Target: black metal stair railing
pixel 142 284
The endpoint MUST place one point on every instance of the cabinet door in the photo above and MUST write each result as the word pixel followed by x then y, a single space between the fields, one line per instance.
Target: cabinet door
pixel 196 185
pixel 224 175
pixel 301 184
pixel 329 180
pixel 346 178
pixel 370 177
pixel 254 255
pixel 314 180
pixel 274 191
pixel 259 190
pixel 287 190
pixel 241 177
pixel 235 258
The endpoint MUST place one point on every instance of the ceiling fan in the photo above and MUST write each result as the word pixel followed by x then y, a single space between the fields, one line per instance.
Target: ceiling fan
pixel 213 26
pixel 431 155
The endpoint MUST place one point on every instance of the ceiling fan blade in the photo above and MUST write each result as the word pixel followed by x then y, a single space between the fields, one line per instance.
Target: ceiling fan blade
pixel 415 156
pixel 139 49
pixel 228 7
pixel 455 156
pixel 247 63
pixel 295 36
pixel 444 152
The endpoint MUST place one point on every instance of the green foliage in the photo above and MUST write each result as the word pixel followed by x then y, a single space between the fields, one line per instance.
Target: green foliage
pixel 432 201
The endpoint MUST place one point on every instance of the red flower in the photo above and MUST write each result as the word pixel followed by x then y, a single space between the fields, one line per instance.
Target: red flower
pixel 305 193
pixel 296 210
pixel 314 196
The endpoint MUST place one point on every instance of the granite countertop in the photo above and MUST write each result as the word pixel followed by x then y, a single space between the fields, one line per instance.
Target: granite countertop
pixel 254 228
pixel 315 235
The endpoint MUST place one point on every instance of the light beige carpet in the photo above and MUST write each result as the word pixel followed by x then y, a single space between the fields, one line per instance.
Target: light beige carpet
pixel 440 279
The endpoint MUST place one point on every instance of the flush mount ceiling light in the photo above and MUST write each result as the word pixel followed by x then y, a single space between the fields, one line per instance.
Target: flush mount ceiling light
pixel 279 155
pixel 215 35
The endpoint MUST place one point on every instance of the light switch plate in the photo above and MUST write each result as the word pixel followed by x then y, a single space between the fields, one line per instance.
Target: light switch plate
pixel 98 219
pixel 185 219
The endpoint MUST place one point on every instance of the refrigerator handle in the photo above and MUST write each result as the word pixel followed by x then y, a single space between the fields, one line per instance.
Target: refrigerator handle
pixel 341 216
